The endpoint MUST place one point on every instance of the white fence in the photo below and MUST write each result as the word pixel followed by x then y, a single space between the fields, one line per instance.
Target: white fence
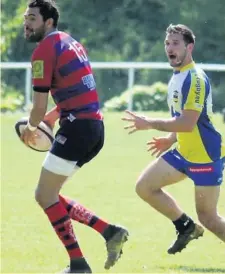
pixel 130 66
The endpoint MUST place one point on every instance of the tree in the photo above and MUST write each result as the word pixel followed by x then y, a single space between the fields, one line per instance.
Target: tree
pixel 123 30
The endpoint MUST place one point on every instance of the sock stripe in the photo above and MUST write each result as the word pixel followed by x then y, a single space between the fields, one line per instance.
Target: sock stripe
pixel 62 220
pixel 83 215
pixel 99 226
pixel 66 237
pixel 76 253
pixel 72 246
pixel 51 206
pixel 93 221
pixel 61 229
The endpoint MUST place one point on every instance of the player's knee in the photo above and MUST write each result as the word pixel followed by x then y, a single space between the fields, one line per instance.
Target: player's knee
pixel 207 219
pixel 46 198
pixel 38 196
pixel 143 189
pixel 41 198
pixel 139 190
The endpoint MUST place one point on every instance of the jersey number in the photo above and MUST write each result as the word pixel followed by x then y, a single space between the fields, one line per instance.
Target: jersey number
pixel 79 51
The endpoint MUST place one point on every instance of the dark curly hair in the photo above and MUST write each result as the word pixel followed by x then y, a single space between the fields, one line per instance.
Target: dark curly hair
pixel 48 9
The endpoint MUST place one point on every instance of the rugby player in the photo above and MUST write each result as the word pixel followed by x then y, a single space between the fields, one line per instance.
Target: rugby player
pixel 199 153
pixel 60 65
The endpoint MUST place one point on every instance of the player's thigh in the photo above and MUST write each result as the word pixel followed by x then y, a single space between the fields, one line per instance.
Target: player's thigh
pixel 206 199
pixel 77 141
pixel 48 188
pixel 54 173
pixel 49 183
pixel 93 147
pixel 207 179
pixel 158 174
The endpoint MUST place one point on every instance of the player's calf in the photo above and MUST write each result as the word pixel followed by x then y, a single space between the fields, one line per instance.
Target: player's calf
pixel 214 223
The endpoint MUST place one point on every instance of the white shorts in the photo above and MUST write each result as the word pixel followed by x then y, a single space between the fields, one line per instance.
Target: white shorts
pixel 59 166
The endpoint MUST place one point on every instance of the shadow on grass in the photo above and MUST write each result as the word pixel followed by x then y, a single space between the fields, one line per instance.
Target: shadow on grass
pixel 189 269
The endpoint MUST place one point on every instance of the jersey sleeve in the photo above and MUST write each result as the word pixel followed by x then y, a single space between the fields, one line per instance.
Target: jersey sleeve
pixel 193 92
pixel 42 68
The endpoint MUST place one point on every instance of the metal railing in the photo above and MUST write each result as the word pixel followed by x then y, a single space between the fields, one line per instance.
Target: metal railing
pixel 130 66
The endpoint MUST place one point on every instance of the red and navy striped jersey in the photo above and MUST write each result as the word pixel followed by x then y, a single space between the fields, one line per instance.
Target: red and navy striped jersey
pixel 60 64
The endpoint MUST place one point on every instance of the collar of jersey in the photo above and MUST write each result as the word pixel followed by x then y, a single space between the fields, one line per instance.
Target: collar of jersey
pixel 51 33
pixel 187 67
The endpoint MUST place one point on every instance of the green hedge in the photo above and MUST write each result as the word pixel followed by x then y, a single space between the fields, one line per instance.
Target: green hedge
pixel 218 95
pixel 11 99
pixel 145 98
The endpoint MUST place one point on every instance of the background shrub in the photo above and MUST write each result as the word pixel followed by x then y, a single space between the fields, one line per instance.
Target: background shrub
pixel 145 98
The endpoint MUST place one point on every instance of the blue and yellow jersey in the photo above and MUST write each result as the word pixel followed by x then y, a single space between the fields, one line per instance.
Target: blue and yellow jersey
pixel 189 89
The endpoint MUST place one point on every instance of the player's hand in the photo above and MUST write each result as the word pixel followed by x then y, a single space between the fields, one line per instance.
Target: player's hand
pixel 158 145
pixel 28 136
pixel 137 122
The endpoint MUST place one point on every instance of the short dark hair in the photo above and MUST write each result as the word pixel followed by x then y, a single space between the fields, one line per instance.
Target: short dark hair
pixel 187 33
pixel 48 9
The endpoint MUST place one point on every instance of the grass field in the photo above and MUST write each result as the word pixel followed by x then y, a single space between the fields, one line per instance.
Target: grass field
pixel 106 185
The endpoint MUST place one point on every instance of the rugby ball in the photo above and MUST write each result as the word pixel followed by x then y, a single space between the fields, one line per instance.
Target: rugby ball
pixel 44 138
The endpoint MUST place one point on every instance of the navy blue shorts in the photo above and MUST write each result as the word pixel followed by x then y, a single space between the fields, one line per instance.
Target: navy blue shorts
pixel 210 174
pixel 79 140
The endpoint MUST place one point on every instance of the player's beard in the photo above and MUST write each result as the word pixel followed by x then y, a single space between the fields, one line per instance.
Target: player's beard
pixel 37 35
pixel 178 60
